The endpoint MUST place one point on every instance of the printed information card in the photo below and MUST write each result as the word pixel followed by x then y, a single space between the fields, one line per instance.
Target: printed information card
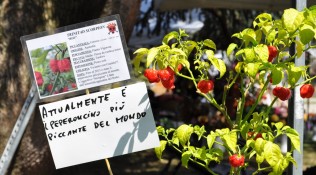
pixel 100 125
pixel 78 58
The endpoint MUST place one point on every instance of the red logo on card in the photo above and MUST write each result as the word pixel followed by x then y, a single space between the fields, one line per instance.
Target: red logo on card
pixel 111 27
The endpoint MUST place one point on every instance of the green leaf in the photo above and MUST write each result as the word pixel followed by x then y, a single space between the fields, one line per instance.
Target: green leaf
pixel 249 35
pixel 310 16
pixel 237 35
pixel 136 61
pixel 230 140
pixel 285 128
pixel 200 153
pixel 185 63
pixel 292 19
pixel 221 132
pixel 283 34
pixel 250 55
pixel 262 52
pixel 262 19
pixel 42 58
pixel 272 153
pixel 170 130
pixel 307 33
pixel 163 47
pixel 271 36
pixel 175 140
pixel 209 43
pixel 279 125
pixel 231 48
pixel 141 51
pixel 259 158
pixel 256 118
pixel 252 69
pixel 299 48
pixel 160 63
pixel 259 145
pixel 217 63
pixel 185 157
pixel 161 130
pixel 182 33
pixel 239 67
pixel 159 150
pixel 258 36
pixel 244 130
pixel 239 52
pixel 36 52
pixel 280 166
pixel 215 154
pixel 266 29
pixel 178 52
pixel 170 36
pixel 294 137
pixel 294 74
pixel 152 53
pixel 289 158
pixel 250 143
pixel 184 133
pixel 252 153
pixel 190 45
pixel 199 131
pixel 283 54
pixel 276 75
pixel 211 139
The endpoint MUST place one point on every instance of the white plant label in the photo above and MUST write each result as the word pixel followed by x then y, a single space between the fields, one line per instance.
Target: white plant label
pixel 99 125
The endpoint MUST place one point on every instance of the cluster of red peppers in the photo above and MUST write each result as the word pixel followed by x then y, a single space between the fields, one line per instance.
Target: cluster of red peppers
pixel 63 65
pixel 306 90
pixel 166 76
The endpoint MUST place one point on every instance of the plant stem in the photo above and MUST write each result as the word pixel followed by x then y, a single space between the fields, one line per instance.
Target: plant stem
pixel 261 169
pixel 58 48
pixel 241 104
pixel 213 102
pixel 256 102
pixel 226 88
pixel 192 76
pixel 270 106
pixel 310 79
pixel 184 76
pixel 209 170
pixel 54 85
pixel 220 108
pixel 219 143
pixel 234 80
pixel 196 162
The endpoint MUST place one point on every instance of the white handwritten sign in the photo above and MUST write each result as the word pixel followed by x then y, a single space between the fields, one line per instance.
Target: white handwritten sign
pixel 99 125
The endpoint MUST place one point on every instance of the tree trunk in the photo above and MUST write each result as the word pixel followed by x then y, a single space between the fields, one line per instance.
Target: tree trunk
pixel 128 11
pixel 17 19
pixel 23 17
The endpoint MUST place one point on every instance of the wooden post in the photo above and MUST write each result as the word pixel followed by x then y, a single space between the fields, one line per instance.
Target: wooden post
pixel 107 162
